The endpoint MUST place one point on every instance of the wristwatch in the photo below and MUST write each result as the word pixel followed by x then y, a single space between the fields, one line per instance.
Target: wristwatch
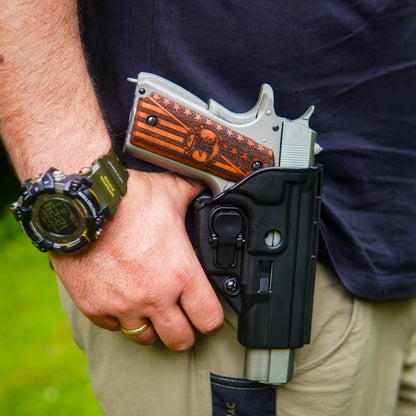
pixel 65 213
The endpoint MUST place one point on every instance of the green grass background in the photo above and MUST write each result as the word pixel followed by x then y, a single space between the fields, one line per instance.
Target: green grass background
pixel 42 372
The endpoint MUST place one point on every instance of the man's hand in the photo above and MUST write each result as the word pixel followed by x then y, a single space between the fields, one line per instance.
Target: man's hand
pixel 143 268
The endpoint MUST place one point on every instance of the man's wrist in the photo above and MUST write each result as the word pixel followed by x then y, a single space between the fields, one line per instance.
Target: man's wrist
pixel 65 213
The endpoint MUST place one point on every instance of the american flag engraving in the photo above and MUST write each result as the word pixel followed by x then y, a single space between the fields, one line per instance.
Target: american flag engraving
pixel 172 130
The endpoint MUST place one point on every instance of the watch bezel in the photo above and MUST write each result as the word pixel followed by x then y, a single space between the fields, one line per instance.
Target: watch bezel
pixel 74 191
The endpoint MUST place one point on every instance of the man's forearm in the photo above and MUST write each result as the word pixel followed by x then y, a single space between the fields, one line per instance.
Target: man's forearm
pixel 48 110
pixel 50 117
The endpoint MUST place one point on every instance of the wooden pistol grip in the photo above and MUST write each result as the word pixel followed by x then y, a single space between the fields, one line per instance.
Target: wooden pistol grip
pixel 170 129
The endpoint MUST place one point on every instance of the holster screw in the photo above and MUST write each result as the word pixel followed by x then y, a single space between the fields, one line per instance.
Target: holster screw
pixel 231 286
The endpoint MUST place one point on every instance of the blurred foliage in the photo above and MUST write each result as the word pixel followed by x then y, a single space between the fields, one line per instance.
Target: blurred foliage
pixel 42 371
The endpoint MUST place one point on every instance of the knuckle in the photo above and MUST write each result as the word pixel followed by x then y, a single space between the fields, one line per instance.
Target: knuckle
pixel 151 298
pixel 183 272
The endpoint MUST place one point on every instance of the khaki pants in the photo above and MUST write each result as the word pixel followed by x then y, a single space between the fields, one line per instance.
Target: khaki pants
pixel 360 362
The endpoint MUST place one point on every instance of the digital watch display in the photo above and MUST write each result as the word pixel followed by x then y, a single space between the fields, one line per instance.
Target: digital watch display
pixel 59 222
pixel 58 217
pixel 65 213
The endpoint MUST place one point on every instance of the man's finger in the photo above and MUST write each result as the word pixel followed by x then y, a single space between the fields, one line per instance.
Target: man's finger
pixel 174 329
pixel 201 304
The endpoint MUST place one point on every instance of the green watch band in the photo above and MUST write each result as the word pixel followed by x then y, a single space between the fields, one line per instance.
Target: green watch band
pixel 109 180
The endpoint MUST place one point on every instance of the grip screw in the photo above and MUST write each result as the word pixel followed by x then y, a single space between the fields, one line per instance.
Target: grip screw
pixel 152 121
pixel 256 165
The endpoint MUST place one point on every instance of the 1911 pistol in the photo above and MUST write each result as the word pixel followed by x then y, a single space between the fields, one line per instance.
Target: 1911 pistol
pixel 257 233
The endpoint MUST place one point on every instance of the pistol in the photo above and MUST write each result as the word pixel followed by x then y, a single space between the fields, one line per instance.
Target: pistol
pixel 257 230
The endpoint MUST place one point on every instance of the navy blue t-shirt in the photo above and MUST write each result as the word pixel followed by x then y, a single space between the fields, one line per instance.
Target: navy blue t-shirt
pixel 354 60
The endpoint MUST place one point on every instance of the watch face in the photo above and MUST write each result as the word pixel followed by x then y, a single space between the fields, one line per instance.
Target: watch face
pixel 59 219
